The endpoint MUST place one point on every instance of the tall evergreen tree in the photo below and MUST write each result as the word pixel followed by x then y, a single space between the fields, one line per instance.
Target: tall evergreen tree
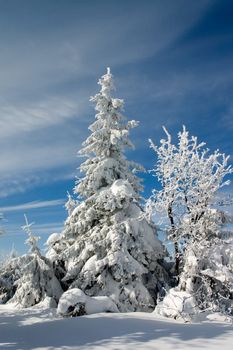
pixel 107 246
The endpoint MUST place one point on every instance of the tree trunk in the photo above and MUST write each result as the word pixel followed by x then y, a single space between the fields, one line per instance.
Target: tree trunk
pixel 177 253
pixel 177 259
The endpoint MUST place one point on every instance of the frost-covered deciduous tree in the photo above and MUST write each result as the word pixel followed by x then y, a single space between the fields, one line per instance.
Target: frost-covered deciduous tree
pixel 190 177
pixel 37 280
pixel 107 246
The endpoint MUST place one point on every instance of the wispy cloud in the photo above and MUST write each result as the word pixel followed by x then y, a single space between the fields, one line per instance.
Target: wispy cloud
pixel 20 184
pixel 10 186
pixel 38 229
pixel 51 55
pixel 47 75
pixel 32 205
pixel 29 116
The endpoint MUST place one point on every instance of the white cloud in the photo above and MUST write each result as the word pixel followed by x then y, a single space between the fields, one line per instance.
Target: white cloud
pixel 20 184
pixel 36 139
pixel 32 205
pixel 9 186
pixel 24 117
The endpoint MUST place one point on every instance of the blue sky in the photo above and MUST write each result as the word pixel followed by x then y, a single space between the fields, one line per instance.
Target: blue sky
pixel 172 62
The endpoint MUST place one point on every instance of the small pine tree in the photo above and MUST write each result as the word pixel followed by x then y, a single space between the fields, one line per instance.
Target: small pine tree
pixel 31 240
pixel 107 245
pixel 9 274
pixel 37 280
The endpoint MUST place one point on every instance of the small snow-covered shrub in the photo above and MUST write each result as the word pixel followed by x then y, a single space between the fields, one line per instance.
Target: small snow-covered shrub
pixel 75 303
pixel 210 279
pixel 206 282
pixel 177 304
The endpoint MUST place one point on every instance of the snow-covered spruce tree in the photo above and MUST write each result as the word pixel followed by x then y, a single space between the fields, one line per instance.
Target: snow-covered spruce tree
pixel 6 275
pixel 9 274
pixel 190 177
pixel 37 280
pixel 108 248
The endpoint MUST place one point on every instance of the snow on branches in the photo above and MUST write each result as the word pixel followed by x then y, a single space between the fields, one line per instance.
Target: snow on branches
pixel 190 177
pixel 36 280
pixel 31 240
pixel 105 146
pixel 107 247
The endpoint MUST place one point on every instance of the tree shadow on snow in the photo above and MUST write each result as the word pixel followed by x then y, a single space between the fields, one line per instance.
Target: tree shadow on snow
pixel 19 331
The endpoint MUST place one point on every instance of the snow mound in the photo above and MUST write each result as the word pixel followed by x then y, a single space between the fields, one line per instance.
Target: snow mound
pixel 178 305
pixel 218 318
pixel 100 304
pixel 75 303
pixel 47 303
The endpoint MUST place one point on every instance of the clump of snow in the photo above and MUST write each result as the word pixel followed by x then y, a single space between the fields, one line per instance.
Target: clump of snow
pixel 51 245
pixel 177 304
pixel 72 303
pixel 75 303
pixel 53 238
pixel 122 189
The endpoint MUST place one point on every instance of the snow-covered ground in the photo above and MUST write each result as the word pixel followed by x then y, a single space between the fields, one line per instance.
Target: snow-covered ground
pixel 42 329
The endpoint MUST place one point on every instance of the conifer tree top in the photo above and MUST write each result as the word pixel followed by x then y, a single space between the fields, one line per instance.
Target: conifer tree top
pixel 31 240
pixel 105 146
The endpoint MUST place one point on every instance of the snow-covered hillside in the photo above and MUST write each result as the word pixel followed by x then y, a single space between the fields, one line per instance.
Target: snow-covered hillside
pixel 42 329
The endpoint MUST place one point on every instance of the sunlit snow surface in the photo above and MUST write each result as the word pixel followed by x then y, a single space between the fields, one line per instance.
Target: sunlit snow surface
pixel 42 329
